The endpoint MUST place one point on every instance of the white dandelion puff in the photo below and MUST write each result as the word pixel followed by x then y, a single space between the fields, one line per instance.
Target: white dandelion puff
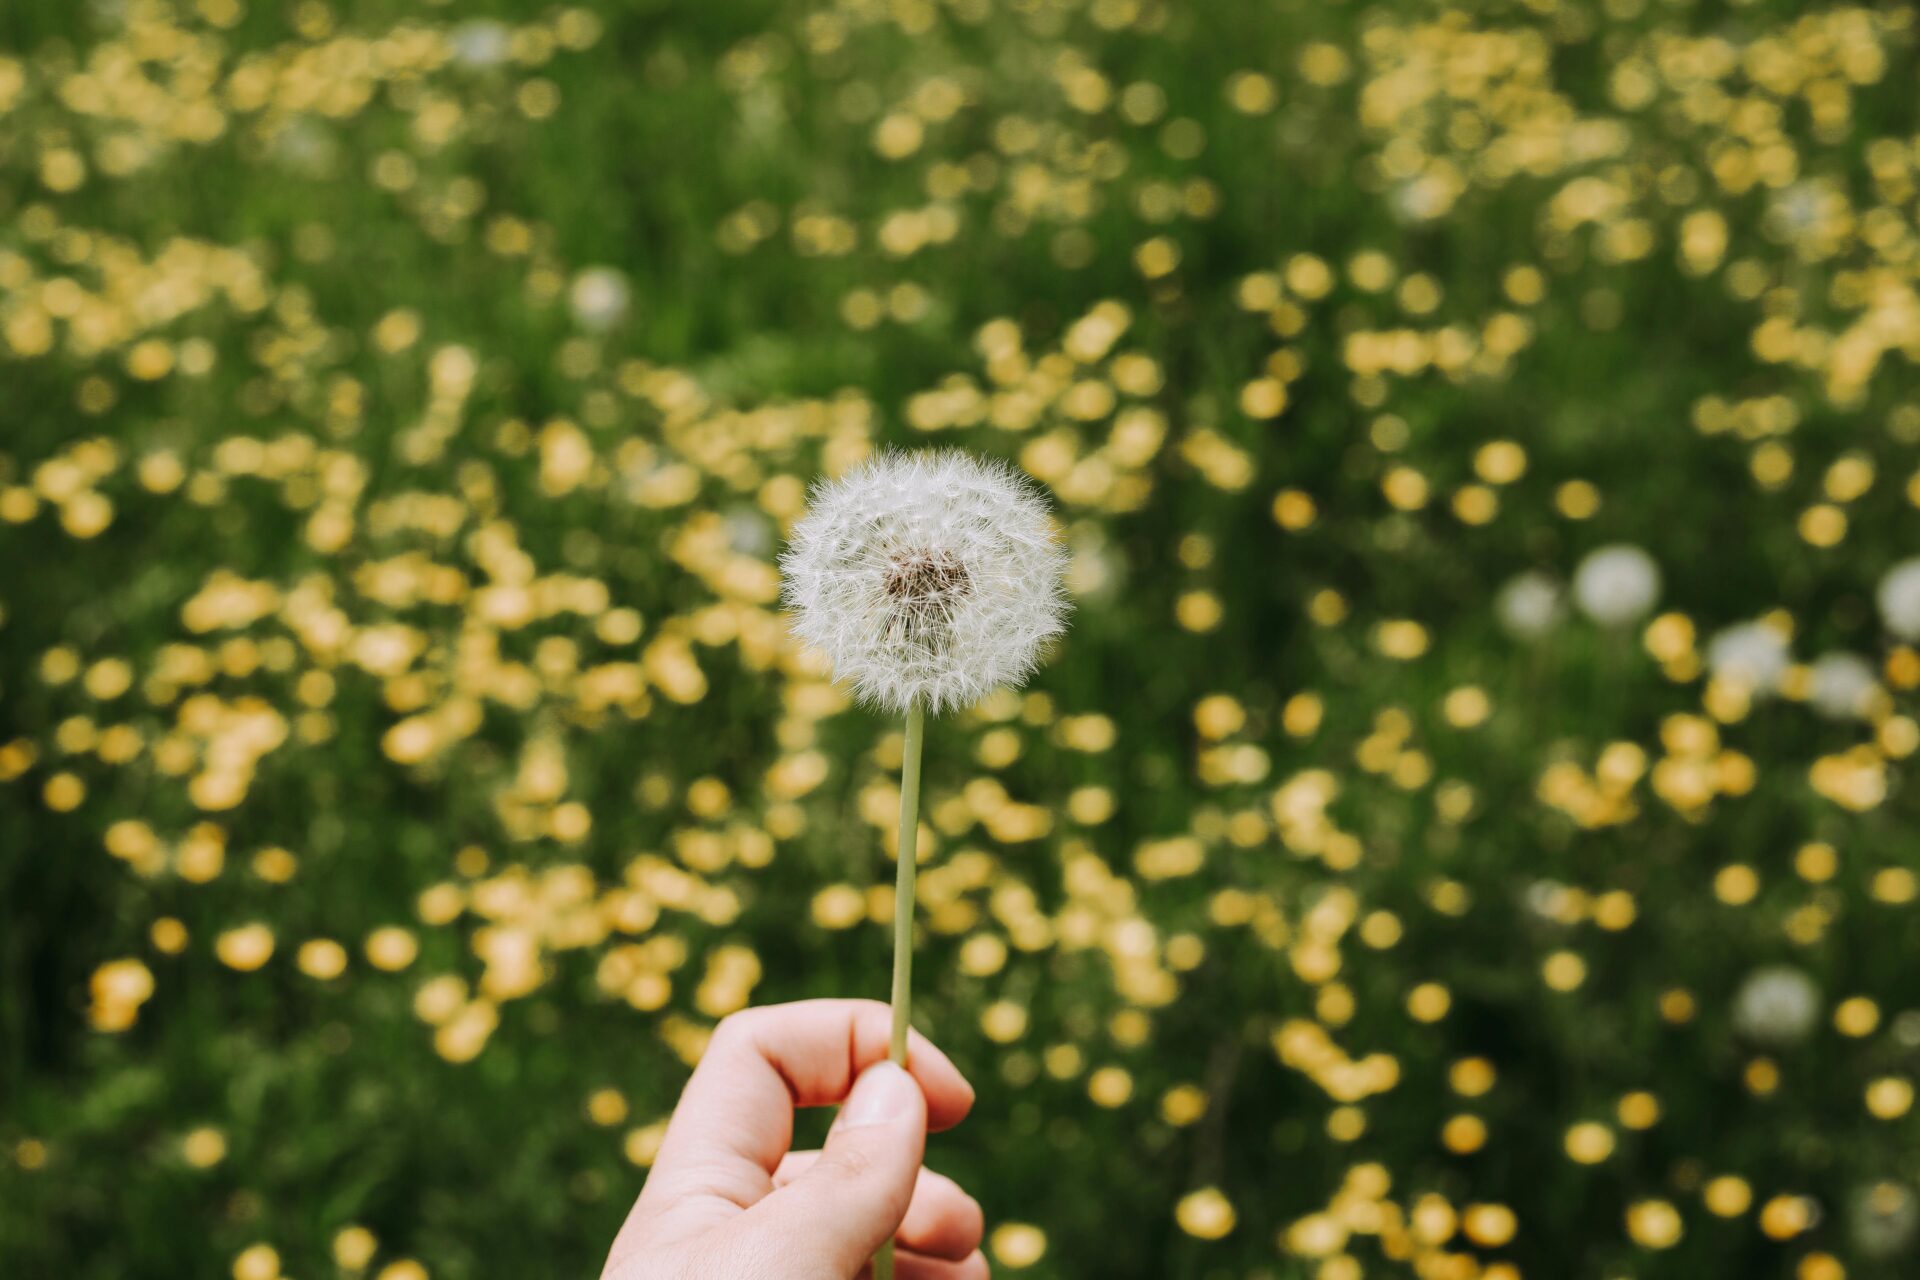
pixel 1529 606
pixel 481 42
pixel 1885 1217
pixel 1617 585
pixel 927 579
pixel 1899 599
pixel 748 532
pixel 1751 655
pixel 1844 686
pixel 600 297
pixel 1776 1005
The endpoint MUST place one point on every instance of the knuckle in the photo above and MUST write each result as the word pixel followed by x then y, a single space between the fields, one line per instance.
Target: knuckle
pixel 848 1164
pixel 735 1027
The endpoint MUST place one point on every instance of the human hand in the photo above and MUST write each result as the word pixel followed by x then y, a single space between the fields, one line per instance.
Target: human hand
pixel 726 1200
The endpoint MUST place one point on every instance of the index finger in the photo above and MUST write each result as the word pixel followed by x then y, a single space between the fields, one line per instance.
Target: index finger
pixel 734 1120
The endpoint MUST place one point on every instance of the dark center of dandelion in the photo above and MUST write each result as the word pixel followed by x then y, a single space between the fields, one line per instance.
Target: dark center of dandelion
pixel 924 586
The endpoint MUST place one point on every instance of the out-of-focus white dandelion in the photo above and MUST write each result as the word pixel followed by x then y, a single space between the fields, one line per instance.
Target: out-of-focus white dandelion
pixel 1425 198
pixel 1096 570
pixel 1843 686
pixel 928 579
pixel 1616 585
pixel 1776 1005
pixel 1884 1216
pixel 307 147
pixel 1802 210
pixel 1751 655
pixel 481 42
pixel 749 533
pixel 1529 605
pixel 1899 599
pixel 1548 899
pixel 600 298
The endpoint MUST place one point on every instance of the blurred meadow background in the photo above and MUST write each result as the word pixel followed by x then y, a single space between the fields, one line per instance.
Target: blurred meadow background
pixel 1465 833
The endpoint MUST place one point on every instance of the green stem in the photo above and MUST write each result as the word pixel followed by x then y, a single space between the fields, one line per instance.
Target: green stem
pixel 908 851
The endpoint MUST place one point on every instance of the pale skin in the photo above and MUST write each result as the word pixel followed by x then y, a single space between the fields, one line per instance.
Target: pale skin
pixel 728 1200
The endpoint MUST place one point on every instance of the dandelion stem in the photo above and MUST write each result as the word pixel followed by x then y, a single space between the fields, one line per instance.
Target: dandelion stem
pixel 908 848
pixel 909 844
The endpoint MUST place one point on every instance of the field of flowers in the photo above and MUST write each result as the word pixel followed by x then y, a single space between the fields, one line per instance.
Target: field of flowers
pixel 1465 832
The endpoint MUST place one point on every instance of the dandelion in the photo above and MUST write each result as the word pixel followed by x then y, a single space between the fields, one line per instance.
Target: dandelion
pixel 1885 1216
pixel 928 580
pixel 1529 606
pixel 1899 599
pixel 1616 585
pixel 1751 655
pixel 481 42
pixel 748 532
pixel 600 298
pixel 1843 686
pixel 1776 1005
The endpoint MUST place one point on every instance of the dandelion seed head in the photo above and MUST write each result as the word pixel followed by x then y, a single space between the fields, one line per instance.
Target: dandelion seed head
pixel 1899 599
pixel 1529 606
pixel 1617 585
pixel 1844 686
pixel 1885 1217
pixel 1776 1005
pixel 600 298
pixel 482 42
pixel 930 578
pixel 1752 655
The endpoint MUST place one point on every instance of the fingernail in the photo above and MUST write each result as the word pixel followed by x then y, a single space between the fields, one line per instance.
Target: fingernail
pixel 883 1094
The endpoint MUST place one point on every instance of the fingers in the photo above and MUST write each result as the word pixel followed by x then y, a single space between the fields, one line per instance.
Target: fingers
pixel 734 1121
pixel 820 1046
pixel 855 1194
pixel 942 1221
pixel 912 1266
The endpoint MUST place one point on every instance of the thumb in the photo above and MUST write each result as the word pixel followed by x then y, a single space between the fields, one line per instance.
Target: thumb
pixel 852 1199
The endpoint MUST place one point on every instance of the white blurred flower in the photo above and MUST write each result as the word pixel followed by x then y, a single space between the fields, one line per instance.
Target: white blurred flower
pixel 600 298
pixel 1798 209
pixel 749 533
pixel 1529 606
pixel 1751 655
pixel 481 42
pixel 1776 1005
pixel 1844 685
pixel 929 578
pixel 1425 198
pixel 1548 899
pixel 1899 598
pixel 1884 1216
pixel 1616 585
pixel 1096 570
pixel 307 147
